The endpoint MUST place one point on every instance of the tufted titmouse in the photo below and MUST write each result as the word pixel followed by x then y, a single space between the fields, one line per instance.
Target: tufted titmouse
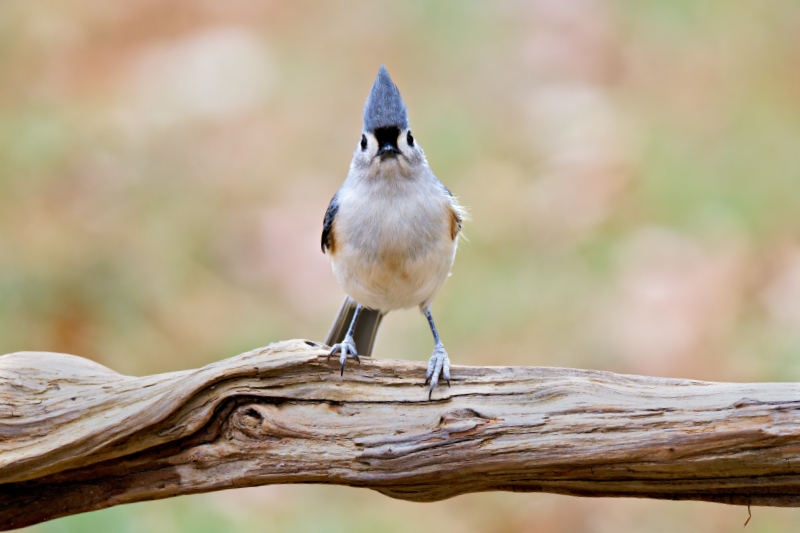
pixel 392 230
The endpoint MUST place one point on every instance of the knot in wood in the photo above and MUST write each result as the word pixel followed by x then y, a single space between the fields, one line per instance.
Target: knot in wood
pixel 265 421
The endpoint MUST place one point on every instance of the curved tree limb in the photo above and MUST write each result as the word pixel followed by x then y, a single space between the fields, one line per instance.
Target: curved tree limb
pixel 76 436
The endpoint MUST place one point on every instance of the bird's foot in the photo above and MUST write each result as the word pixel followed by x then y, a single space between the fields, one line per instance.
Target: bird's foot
pixel 439 364
pixel 346 347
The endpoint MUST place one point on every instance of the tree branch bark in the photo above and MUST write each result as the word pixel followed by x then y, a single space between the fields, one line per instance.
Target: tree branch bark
pixel 76 436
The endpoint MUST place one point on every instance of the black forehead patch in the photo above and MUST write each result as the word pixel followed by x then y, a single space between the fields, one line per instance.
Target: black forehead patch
pixel 387 135
pixel 384 106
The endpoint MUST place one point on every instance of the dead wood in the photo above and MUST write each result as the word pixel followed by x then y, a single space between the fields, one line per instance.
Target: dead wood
pixel 76 436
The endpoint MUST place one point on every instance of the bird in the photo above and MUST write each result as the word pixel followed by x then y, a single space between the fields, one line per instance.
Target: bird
pixel 391 231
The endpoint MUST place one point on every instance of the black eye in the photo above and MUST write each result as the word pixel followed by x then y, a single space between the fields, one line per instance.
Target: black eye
pixel 410 138
pixel 363 142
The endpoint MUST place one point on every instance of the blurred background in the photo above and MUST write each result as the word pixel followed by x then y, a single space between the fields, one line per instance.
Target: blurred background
pixel 632 168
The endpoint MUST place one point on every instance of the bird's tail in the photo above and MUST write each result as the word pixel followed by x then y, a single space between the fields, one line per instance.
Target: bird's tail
pixel 366 327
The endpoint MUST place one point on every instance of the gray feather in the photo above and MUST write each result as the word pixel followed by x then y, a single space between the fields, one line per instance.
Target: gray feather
pixel 385 106
pixel 327 224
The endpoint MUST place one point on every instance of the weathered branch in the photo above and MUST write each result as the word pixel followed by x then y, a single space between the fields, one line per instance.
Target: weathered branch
pixel 76 436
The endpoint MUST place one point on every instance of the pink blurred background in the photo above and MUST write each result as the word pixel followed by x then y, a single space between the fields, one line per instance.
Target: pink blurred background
pixel 632 168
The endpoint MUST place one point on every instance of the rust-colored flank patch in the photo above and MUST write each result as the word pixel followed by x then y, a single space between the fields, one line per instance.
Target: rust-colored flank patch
pixel 454 224
pixel 332 239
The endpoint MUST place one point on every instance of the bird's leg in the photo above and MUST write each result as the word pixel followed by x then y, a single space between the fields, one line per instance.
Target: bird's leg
pixel 439 362
pixel 348 345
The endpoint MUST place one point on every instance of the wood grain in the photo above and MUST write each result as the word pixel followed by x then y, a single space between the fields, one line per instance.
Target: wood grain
pixel 76 436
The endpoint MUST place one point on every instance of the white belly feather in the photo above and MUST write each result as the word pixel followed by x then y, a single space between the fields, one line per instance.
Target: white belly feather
pixel 395 245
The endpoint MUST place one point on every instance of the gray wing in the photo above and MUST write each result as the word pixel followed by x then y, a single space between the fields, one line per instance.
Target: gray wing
pixel 330 215
pixel 366 328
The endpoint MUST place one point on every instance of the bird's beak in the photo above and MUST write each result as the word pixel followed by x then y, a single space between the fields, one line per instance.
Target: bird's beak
pixel 389 150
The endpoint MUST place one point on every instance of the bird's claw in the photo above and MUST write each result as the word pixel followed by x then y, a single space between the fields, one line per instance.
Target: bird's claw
pixel 438 365
pixel 346 347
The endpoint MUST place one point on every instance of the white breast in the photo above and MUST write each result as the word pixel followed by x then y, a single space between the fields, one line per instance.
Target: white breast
pixel 394 241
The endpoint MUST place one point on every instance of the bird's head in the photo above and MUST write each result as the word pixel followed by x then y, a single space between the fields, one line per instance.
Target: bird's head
pixel 386 140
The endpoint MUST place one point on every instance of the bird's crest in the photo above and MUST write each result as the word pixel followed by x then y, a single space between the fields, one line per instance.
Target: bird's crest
pixel 384 106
